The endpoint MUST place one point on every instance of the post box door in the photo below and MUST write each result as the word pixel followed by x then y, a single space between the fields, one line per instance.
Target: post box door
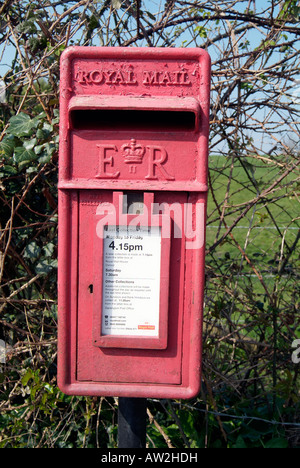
pixel 123 362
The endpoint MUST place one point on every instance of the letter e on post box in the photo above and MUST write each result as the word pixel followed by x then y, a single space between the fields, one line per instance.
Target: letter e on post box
pixel 132 188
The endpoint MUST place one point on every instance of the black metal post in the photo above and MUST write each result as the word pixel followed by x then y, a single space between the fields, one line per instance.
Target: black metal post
pixel 132 418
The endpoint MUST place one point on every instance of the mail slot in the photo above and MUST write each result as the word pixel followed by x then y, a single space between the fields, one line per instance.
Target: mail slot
pixel 132 211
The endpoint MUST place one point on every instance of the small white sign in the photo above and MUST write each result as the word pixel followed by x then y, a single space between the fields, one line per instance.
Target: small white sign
pixel 131 281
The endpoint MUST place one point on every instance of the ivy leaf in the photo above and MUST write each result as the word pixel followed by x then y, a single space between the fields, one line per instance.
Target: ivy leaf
pixel 42 133
pixel 49 249
pixel 277 443
pixel 32 251
pixel 23 156
pixel 240 443
pixel 7 145
pixel 9 170
pixel 44 267
pixel 21 125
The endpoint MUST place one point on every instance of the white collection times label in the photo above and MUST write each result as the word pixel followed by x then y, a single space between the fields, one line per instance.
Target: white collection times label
pixel 131 281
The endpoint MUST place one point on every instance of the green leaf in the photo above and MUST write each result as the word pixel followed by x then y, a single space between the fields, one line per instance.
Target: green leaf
pixel 24 156
pixel 247 85
pixel 10 170
pixel 21 125
pixel 277 443
pixel 32 251
pixel 49 249
pixel 42 134
pixel 201 31
pixel 7 145
pixel 44 267
pixel 25 379
pixel 29 145
pixel 240 443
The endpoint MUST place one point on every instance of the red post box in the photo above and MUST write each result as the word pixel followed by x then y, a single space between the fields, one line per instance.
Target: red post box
pixel 132 206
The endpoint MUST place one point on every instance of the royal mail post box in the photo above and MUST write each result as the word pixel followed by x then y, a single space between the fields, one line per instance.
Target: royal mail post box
pixel 132 205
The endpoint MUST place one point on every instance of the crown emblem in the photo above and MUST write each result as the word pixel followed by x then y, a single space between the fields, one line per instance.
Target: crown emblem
pixel 133 153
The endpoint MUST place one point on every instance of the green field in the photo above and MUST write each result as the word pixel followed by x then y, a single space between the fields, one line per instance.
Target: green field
pixel 270 227
pixel 267 234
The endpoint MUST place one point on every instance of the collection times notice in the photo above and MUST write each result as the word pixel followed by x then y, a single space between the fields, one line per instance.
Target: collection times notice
pixel 131 280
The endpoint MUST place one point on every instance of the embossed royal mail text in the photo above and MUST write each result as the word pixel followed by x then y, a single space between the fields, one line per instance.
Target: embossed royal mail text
pixel 130 77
